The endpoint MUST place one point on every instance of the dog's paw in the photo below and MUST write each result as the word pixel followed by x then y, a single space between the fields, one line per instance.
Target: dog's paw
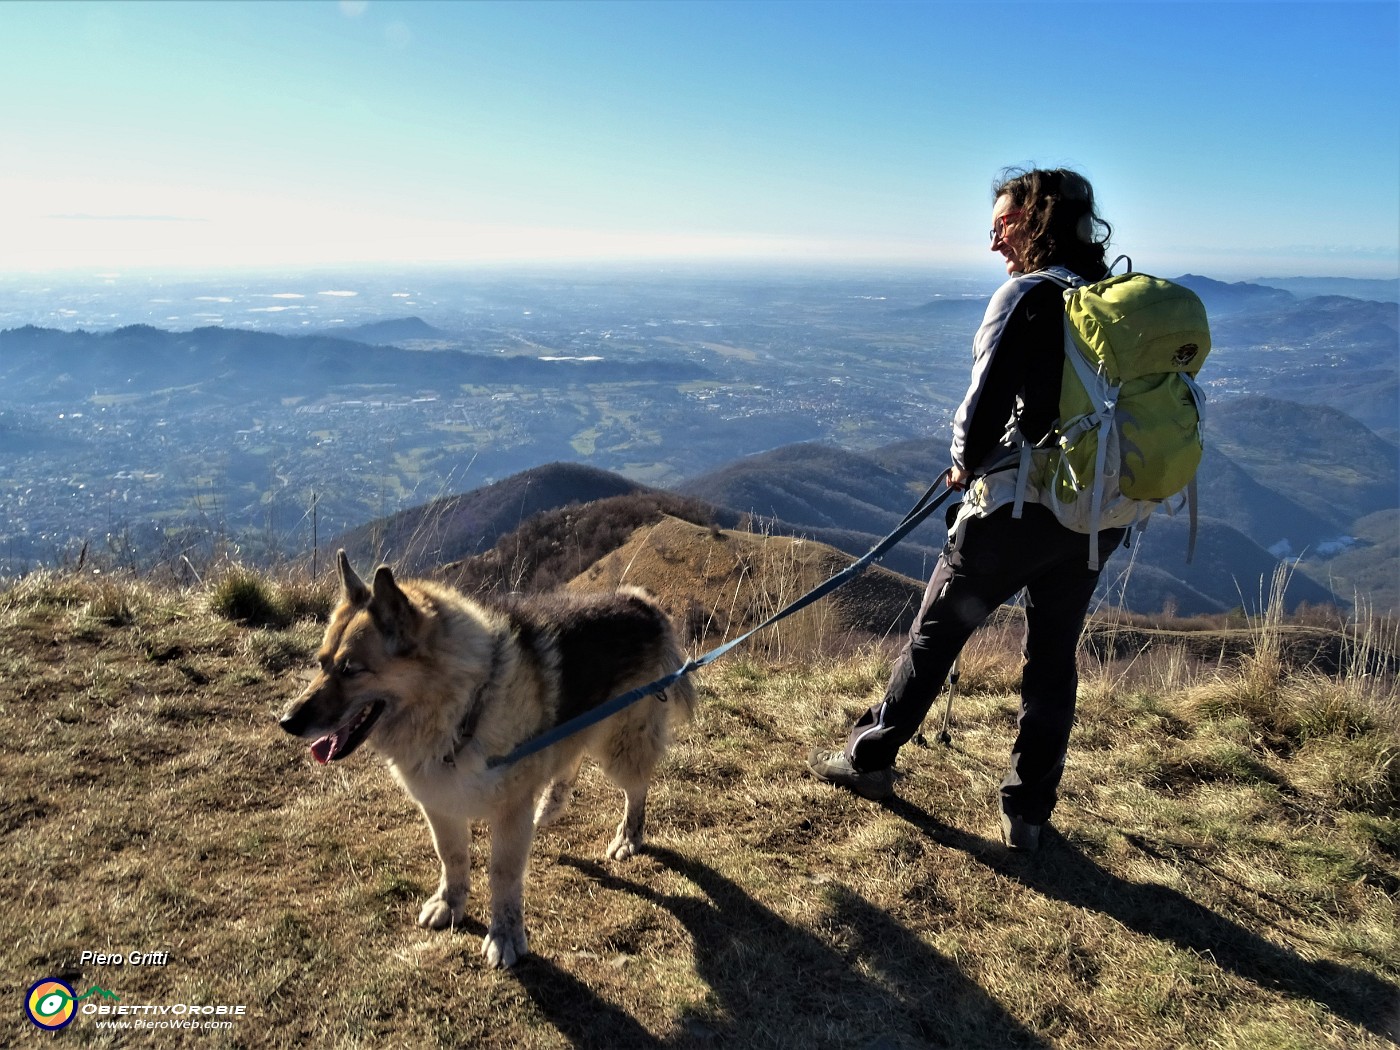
pixel 623 848
pixel 504 947
pixel 439 913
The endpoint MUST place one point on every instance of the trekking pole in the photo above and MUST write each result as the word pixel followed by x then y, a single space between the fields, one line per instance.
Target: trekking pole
pixel 945 737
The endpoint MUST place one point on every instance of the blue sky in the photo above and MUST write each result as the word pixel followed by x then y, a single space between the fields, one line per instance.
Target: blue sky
pixel 1235 139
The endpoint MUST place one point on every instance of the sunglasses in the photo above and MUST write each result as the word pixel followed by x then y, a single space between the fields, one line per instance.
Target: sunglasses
pixel 999 223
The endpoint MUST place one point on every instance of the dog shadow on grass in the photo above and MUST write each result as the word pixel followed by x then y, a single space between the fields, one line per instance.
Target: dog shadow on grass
pixel 575 1009
pixel 1065 873
pixel 772 983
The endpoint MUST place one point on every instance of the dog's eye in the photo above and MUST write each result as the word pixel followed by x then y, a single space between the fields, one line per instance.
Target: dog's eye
pixel 346 669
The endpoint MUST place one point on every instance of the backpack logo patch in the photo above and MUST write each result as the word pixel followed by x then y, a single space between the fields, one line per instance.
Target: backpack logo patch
pixel 1185 354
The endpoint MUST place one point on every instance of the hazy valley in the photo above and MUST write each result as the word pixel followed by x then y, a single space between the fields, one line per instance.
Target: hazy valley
pixel 154 420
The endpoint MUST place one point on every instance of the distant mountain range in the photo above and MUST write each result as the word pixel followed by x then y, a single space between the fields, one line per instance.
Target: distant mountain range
pixel 532 513
pixel 456 527
pixel 1221 298
pixel 46 362
pixel 1314 457
pixel 1302 459
pixel 1381 290
pixel 1286 476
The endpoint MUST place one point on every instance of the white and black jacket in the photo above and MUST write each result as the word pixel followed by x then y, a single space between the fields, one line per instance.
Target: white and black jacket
pixel 1018 361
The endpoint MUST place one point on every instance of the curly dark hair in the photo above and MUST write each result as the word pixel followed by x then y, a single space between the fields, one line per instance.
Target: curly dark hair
pixel 1057 213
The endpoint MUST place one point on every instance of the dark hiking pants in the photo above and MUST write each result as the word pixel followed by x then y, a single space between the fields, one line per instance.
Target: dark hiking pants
pixel 997 556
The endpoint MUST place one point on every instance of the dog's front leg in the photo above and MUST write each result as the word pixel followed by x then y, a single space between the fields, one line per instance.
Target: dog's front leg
pixel 452 838
pixel 511 833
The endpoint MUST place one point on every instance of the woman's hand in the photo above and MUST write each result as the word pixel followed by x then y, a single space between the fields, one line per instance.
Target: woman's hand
pixel 956 478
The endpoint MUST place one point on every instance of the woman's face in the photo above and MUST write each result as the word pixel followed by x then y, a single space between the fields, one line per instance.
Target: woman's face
pixel 1006 231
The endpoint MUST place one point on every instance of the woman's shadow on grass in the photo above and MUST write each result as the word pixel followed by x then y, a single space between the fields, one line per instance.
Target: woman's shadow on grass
pixel 1065 873
pixel 774 984
pixel 870 984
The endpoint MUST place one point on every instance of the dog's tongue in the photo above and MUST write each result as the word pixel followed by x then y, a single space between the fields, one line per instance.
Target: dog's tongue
pixel 323 750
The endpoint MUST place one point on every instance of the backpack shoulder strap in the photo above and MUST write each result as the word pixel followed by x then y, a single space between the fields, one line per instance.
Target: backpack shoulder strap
pixel 1064 277
pixel 1067 278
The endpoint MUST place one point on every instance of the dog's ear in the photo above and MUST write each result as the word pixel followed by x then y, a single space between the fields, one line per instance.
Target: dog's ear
pixel 352 588
pixel 394 613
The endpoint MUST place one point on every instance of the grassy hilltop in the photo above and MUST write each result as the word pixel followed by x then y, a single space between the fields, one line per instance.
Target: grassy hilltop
pixel 1224 869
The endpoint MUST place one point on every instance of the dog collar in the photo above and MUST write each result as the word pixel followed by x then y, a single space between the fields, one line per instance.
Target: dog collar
pixel 466 728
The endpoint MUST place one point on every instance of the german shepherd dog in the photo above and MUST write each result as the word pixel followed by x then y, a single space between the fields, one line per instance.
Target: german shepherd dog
pixel 438 684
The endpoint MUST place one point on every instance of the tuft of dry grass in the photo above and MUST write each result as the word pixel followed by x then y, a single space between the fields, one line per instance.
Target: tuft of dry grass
pixel 253 599
pixel 1223 869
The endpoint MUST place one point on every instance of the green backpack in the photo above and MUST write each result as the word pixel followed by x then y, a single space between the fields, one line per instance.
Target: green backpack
pixel 1128 438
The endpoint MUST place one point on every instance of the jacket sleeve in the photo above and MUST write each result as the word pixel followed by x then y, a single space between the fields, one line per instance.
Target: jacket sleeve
pixel 1018 360
pixel 998 372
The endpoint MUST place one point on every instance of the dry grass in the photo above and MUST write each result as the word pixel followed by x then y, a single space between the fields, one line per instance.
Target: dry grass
pixel 1222 872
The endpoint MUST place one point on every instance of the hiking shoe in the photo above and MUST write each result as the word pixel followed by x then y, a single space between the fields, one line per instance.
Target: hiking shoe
pixel 835 768
pixel 1018 836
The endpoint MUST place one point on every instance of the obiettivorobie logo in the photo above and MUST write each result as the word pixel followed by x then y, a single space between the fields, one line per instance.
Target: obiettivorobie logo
pixel 52 1004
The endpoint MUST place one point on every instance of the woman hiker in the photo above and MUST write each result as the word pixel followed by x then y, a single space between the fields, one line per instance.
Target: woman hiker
pixel 1040 218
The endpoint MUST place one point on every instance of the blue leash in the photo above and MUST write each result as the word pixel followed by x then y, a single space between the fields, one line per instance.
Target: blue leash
pixel 920 511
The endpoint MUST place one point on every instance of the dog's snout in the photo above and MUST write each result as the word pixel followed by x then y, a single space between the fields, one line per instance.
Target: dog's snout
pixel 291 721
pixel 297 717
